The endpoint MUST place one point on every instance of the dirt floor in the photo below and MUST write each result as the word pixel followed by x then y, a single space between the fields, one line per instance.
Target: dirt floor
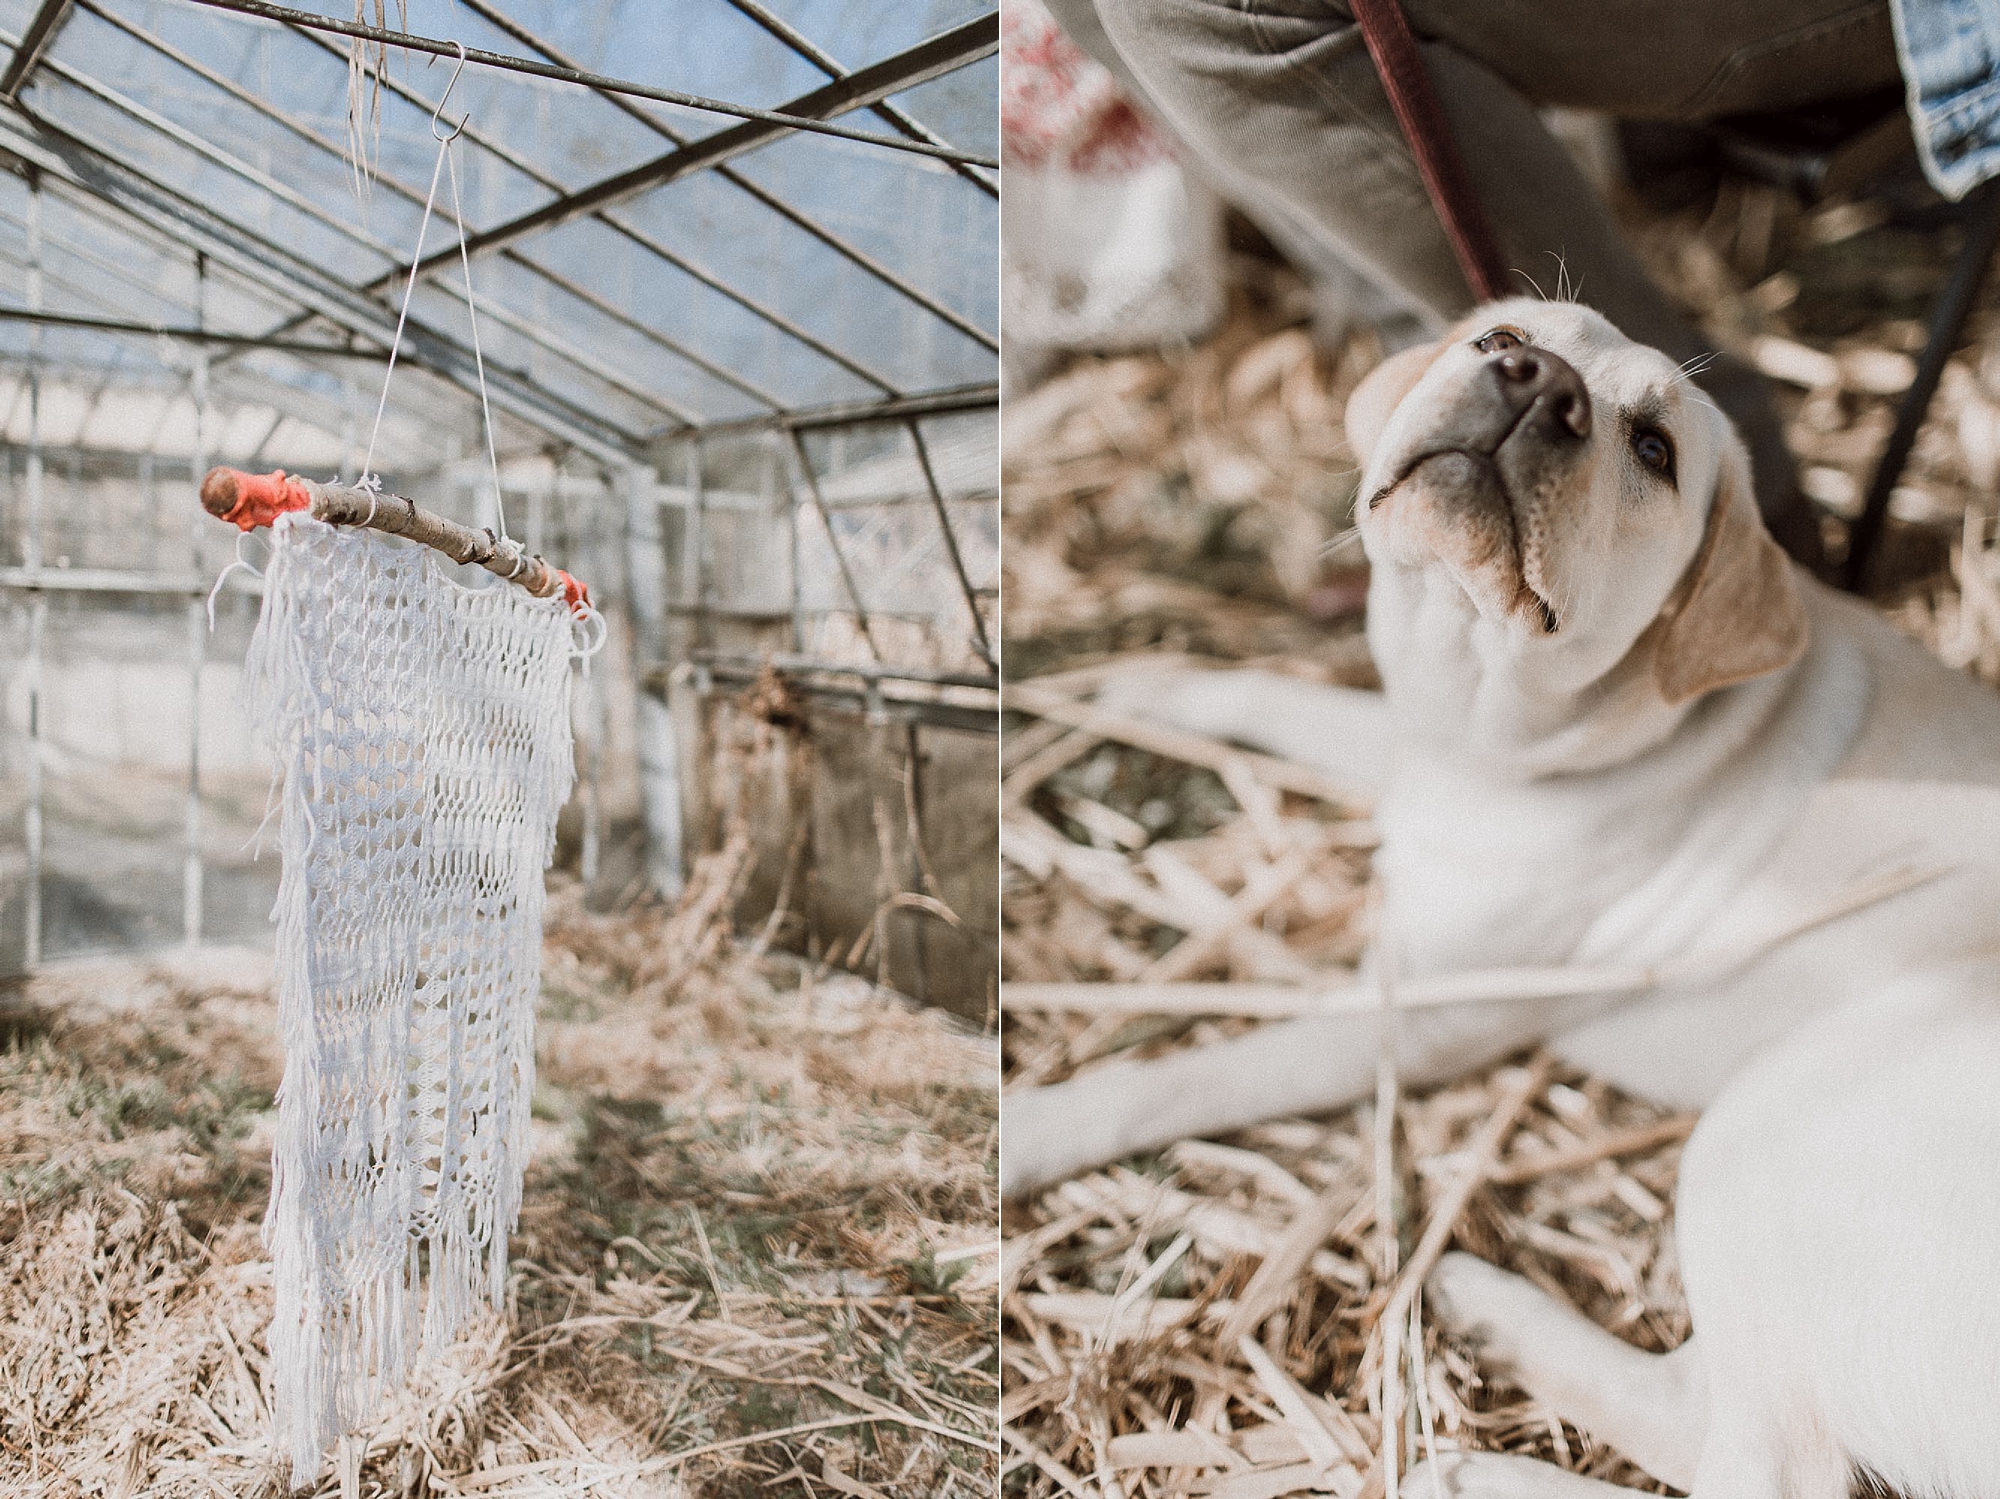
pixel 1192 506
pixel 756 1254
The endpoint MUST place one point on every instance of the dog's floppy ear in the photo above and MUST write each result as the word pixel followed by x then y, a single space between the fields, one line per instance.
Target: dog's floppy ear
pixel 1376 398
pixel 1737 613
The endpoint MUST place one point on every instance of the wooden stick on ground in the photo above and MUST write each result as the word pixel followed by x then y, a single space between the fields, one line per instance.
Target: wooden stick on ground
pixel 1264 889
pixel 1162 991
pixel 1177 744
pixel 1444 1218
pixel 1625 1142
pixel 1271 1285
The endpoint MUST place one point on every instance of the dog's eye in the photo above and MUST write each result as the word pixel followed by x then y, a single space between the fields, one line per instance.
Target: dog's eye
pixel 1653 448
pixel 1498 339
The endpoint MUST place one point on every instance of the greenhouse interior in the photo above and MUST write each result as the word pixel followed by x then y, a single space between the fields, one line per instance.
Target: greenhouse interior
pixel 741 374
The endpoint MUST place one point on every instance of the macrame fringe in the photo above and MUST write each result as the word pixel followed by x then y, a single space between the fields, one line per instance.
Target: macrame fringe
pixel 421 730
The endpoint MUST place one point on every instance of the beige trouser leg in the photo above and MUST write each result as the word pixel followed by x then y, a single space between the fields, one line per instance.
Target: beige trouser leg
pixel 1280 103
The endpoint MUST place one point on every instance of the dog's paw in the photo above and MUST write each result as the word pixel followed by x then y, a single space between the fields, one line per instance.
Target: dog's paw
pixel 1485 1306
pixel 1494 1475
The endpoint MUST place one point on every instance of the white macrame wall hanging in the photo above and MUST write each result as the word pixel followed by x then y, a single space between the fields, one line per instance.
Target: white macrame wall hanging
pixel 422 734
pixel 419 717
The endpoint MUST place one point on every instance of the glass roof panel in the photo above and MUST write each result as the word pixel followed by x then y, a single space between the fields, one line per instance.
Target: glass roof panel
pixel 304 78
pixel 857 32
pixel 915 216
pixel 158 86
pixel 936 217
pixel 959 106
pixel 571 134
pixel 313 229
pixel 608 339
pixel 574 380
pixel 665 297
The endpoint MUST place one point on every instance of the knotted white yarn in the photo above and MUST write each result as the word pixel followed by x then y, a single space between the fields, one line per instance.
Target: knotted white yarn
pixel 421 728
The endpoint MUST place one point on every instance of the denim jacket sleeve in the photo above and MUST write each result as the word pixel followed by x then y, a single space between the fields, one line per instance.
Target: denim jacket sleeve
pixel 1950 56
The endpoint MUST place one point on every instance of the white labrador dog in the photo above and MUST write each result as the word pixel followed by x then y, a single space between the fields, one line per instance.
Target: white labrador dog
pixel 1617 728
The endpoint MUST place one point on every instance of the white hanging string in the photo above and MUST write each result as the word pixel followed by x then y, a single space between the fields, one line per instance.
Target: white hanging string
pixel 446 161
pixel 242 562
pixel 368 479
pixel 472 312
pixel 585 615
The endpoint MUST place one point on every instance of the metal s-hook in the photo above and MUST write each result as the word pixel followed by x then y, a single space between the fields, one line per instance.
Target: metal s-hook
pixel 437 115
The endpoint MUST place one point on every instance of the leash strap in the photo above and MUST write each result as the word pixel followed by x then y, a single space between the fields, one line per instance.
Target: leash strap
pixel 1408 84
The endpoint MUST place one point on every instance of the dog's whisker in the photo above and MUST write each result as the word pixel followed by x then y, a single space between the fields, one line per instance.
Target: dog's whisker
pixel 1698 365
pixel 1563 293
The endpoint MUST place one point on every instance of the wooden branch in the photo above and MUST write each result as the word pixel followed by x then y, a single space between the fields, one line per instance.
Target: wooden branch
pixel 1519 1169
pixel 1278 1001
pixel 1485 1157
pixel 1163 994
pixel 1264 889
pixel 1271 1285
pixel 251 500
pixel 1176 744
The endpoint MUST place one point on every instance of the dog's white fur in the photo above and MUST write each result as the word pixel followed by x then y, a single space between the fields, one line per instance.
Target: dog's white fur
pixel 1671 771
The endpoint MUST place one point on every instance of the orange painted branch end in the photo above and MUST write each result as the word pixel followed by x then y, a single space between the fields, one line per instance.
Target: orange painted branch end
pixel 575 593
pixel 248 501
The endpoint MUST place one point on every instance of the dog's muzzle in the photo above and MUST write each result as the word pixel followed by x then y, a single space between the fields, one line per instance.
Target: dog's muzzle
pixel 1521 393
pixel 1526 398
pixel 1539 392
pixel 1505 433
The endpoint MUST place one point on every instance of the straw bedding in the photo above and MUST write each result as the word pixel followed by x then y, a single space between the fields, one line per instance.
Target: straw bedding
pixel 755 1254
pixel 1192 504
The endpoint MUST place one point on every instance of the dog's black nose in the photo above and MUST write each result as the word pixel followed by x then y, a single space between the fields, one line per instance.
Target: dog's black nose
pixel 1528 375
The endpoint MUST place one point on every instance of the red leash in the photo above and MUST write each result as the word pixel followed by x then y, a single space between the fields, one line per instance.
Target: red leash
pixel 1408 84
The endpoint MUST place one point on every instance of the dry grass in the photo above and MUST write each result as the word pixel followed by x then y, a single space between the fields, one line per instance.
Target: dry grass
pixel 1191 504
pixel 756 1253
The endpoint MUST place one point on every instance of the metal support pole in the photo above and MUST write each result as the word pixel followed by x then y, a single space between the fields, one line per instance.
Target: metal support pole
pixel 966 43
pixel 31 544
pixel 1954 304
pixel 659 757
pixel 35 42
pixel 156 515
pixel 38 613
pixel 38 605
pixel 694 566
pixel 918 878
pixel 544 500
pixel 197 635
pixel 832 540
pixel 791 492
pixel 980 642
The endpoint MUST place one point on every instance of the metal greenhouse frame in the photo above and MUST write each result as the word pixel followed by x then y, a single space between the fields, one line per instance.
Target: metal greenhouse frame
pixel 753 358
